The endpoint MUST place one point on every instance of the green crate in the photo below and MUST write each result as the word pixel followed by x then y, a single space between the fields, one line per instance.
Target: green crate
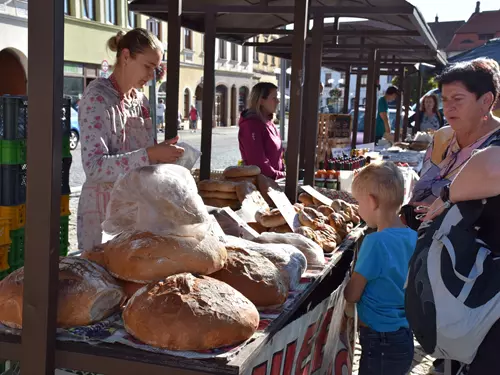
pixel 64 236
pixel 66 151
pixel 16 253
pixel 4 274
pixel 13 152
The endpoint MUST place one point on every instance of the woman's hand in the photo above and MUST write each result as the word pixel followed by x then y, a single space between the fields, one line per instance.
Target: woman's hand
pixel 164 153
pixel 435 210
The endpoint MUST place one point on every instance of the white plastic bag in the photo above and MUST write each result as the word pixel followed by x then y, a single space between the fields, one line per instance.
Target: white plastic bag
pixel 162 199
pixel 190 156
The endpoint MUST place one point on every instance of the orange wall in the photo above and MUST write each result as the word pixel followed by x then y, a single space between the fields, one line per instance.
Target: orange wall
pixel 12 76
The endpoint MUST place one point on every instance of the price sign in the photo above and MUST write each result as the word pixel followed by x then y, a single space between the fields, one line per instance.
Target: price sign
pixel 216 228
pixel 286 208
pixel 314 193
pixel 248 232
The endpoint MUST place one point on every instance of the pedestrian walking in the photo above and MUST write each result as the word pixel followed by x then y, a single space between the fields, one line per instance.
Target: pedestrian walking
pixel 193 119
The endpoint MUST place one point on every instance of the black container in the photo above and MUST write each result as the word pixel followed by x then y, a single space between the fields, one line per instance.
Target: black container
pixel 12 184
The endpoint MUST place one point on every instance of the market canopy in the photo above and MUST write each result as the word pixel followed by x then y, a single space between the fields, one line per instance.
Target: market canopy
pixel 233 22
pixel 490 50
pixel 351 45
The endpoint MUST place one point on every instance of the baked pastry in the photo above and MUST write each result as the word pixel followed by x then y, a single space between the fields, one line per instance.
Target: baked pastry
pixel 245 171
pixel 270 219
pixel 217 185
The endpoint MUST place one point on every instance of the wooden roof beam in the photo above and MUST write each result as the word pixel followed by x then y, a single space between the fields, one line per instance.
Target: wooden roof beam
pixel 276 47
pixel 351 33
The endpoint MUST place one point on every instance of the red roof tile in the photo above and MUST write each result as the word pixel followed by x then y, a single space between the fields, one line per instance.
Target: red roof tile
pixel 482 23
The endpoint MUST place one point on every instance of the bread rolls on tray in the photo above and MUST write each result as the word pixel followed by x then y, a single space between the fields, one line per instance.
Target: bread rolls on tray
pixel 143 257
pixel 187 312
pixel 86 294
pixel 255 276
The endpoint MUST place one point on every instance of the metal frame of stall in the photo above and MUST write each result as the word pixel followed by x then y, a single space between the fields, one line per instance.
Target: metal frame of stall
pixel 37 348
pixel 373 57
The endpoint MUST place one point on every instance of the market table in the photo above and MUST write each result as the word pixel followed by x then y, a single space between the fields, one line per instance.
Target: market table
pixel 313 306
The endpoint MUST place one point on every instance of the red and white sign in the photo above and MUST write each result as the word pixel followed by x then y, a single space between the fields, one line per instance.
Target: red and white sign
pixel 319 342
pixel 104 66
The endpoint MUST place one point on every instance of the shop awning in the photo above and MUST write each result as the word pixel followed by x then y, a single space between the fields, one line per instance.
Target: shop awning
pixel 234 24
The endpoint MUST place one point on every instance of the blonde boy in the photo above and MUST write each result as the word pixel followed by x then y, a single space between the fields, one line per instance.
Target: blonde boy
pixel 379 275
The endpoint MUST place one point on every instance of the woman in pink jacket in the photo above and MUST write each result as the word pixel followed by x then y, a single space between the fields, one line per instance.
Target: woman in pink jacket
pixel 260 141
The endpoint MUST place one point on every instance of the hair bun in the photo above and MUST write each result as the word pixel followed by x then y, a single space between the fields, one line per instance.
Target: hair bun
pixel 114 41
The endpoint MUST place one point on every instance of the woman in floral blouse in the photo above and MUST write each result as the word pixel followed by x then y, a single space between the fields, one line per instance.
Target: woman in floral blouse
pixel 116 129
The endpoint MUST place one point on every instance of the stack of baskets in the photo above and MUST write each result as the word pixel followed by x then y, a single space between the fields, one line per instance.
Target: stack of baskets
pixel 13 168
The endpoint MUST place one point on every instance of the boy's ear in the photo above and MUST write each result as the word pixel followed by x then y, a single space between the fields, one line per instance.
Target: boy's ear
pixel 373 201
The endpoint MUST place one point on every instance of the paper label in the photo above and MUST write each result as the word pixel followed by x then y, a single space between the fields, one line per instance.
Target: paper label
pixel 247 229
pixel 286 208
pixel 320 197
pixel 216 228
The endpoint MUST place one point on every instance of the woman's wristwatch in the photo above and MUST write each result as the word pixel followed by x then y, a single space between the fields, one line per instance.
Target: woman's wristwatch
pixel 445 194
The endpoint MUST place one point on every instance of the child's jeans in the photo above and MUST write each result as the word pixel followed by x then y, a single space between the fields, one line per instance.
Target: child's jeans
pixel 385 353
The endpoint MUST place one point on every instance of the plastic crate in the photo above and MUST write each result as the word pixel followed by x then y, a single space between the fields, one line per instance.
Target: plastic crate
pixel 13 117
pixel 66 166
pixel 4 232
pixel 66 150
pixel 65 205
pixel 16 254
pixel 4 258
pixel 13 152
pixel 15 214
pixel 13 185
pixel 64 236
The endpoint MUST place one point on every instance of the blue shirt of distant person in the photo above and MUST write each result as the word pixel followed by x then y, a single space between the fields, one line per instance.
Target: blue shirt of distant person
pixel 383 125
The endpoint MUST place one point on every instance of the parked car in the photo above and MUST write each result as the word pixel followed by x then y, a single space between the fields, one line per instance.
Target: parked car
pixel 74 135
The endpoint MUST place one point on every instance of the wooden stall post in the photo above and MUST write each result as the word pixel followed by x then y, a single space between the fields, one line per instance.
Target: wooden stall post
pixel 369 95
pixel 420 84
pixel 304 124
pixel 315 62
pixel 44 150
pixel 355 124
pixel 208 96
pixel 406 103
pixel 347 89
pixel 173 68
pixel 397 131
pixel 374 95
pixel 301 17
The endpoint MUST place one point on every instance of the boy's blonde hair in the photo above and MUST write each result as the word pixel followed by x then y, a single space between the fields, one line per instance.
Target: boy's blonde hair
pixel 384 181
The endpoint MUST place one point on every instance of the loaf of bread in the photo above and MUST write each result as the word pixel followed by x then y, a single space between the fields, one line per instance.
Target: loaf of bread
pixel 256 227
pixel 217 202
pixel 187 312
pixel 236 180
pixel 305 199
pixel 86 294
pixel 255 276
pixel 218 195
pixel 245 171
pixel 325 210
pixel 143 257
pixel 217 185
pixel 270 219
pixel 265 185
pixel 289 260
pixel 312 251
pixel 285 228
pixel 95 255
pixel 311 218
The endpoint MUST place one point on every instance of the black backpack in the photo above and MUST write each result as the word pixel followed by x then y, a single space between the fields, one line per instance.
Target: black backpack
pixel 451 297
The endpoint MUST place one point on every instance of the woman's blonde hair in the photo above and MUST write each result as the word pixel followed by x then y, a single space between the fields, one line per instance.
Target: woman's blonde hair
pixel 136 41
pixel 261 90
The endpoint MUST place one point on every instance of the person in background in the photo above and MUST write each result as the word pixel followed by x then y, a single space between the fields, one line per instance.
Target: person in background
pixel 377 283
pixel 430 116
pixel 179 120
pixel 382 124
pixel 160 115
pixel 259 140
pixel 193 119
pixel 117 132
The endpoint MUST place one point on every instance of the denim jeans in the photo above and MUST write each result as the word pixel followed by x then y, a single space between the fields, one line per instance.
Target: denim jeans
pixel 385 353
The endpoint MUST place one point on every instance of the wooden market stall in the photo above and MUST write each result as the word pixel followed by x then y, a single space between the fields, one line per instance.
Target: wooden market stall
pixel 37 348
pixel 370 48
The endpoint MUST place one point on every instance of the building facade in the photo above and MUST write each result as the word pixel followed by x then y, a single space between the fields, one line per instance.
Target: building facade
pixel 13 47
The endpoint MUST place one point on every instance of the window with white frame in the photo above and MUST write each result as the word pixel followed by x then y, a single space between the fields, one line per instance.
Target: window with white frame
pixel 222 49
pixel 244 55
pixel 234 52
pixel 131 19
pixel 154 27
pixel 66 7
pixel 188 39
pixel 111 11
pixel 89 9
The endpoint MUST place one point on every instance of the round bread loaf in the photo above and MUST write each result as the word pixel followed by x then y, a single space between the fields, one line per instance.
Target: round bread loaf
pixel 270 219
pixel 96 255
pixel 86 294
pixel 265 185
pixel 217 202
pixel 236 180
pixel 143 257
pixel 285 228
pixel 218 195
pixel 217 185
pixel 255 276
pixel 325 210
pixel 187 312
pixel 245 171
pixel 305 199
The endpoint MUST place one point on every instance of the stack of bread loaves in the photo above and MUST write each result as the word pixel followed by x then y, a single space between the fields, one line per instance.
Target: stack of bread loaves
pixel 219 193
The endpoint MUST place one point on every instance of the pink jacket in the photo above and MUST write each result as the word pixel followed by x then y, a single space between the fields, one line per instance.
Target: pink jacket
pixel 260 145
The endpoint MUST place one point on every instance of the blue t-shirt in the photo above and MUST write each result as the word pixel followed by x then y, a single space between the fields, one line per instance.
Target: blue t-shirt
pixel 383 106
pixel 383 261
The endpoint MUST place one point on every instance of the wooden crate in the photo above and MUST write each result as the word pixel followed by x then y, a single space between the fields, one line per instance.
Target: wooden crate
pixel 334 131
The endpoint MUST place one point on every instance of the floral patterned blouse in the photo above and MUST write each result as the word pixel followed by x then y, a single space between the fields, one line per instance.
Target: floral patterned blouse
pixel 114 135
